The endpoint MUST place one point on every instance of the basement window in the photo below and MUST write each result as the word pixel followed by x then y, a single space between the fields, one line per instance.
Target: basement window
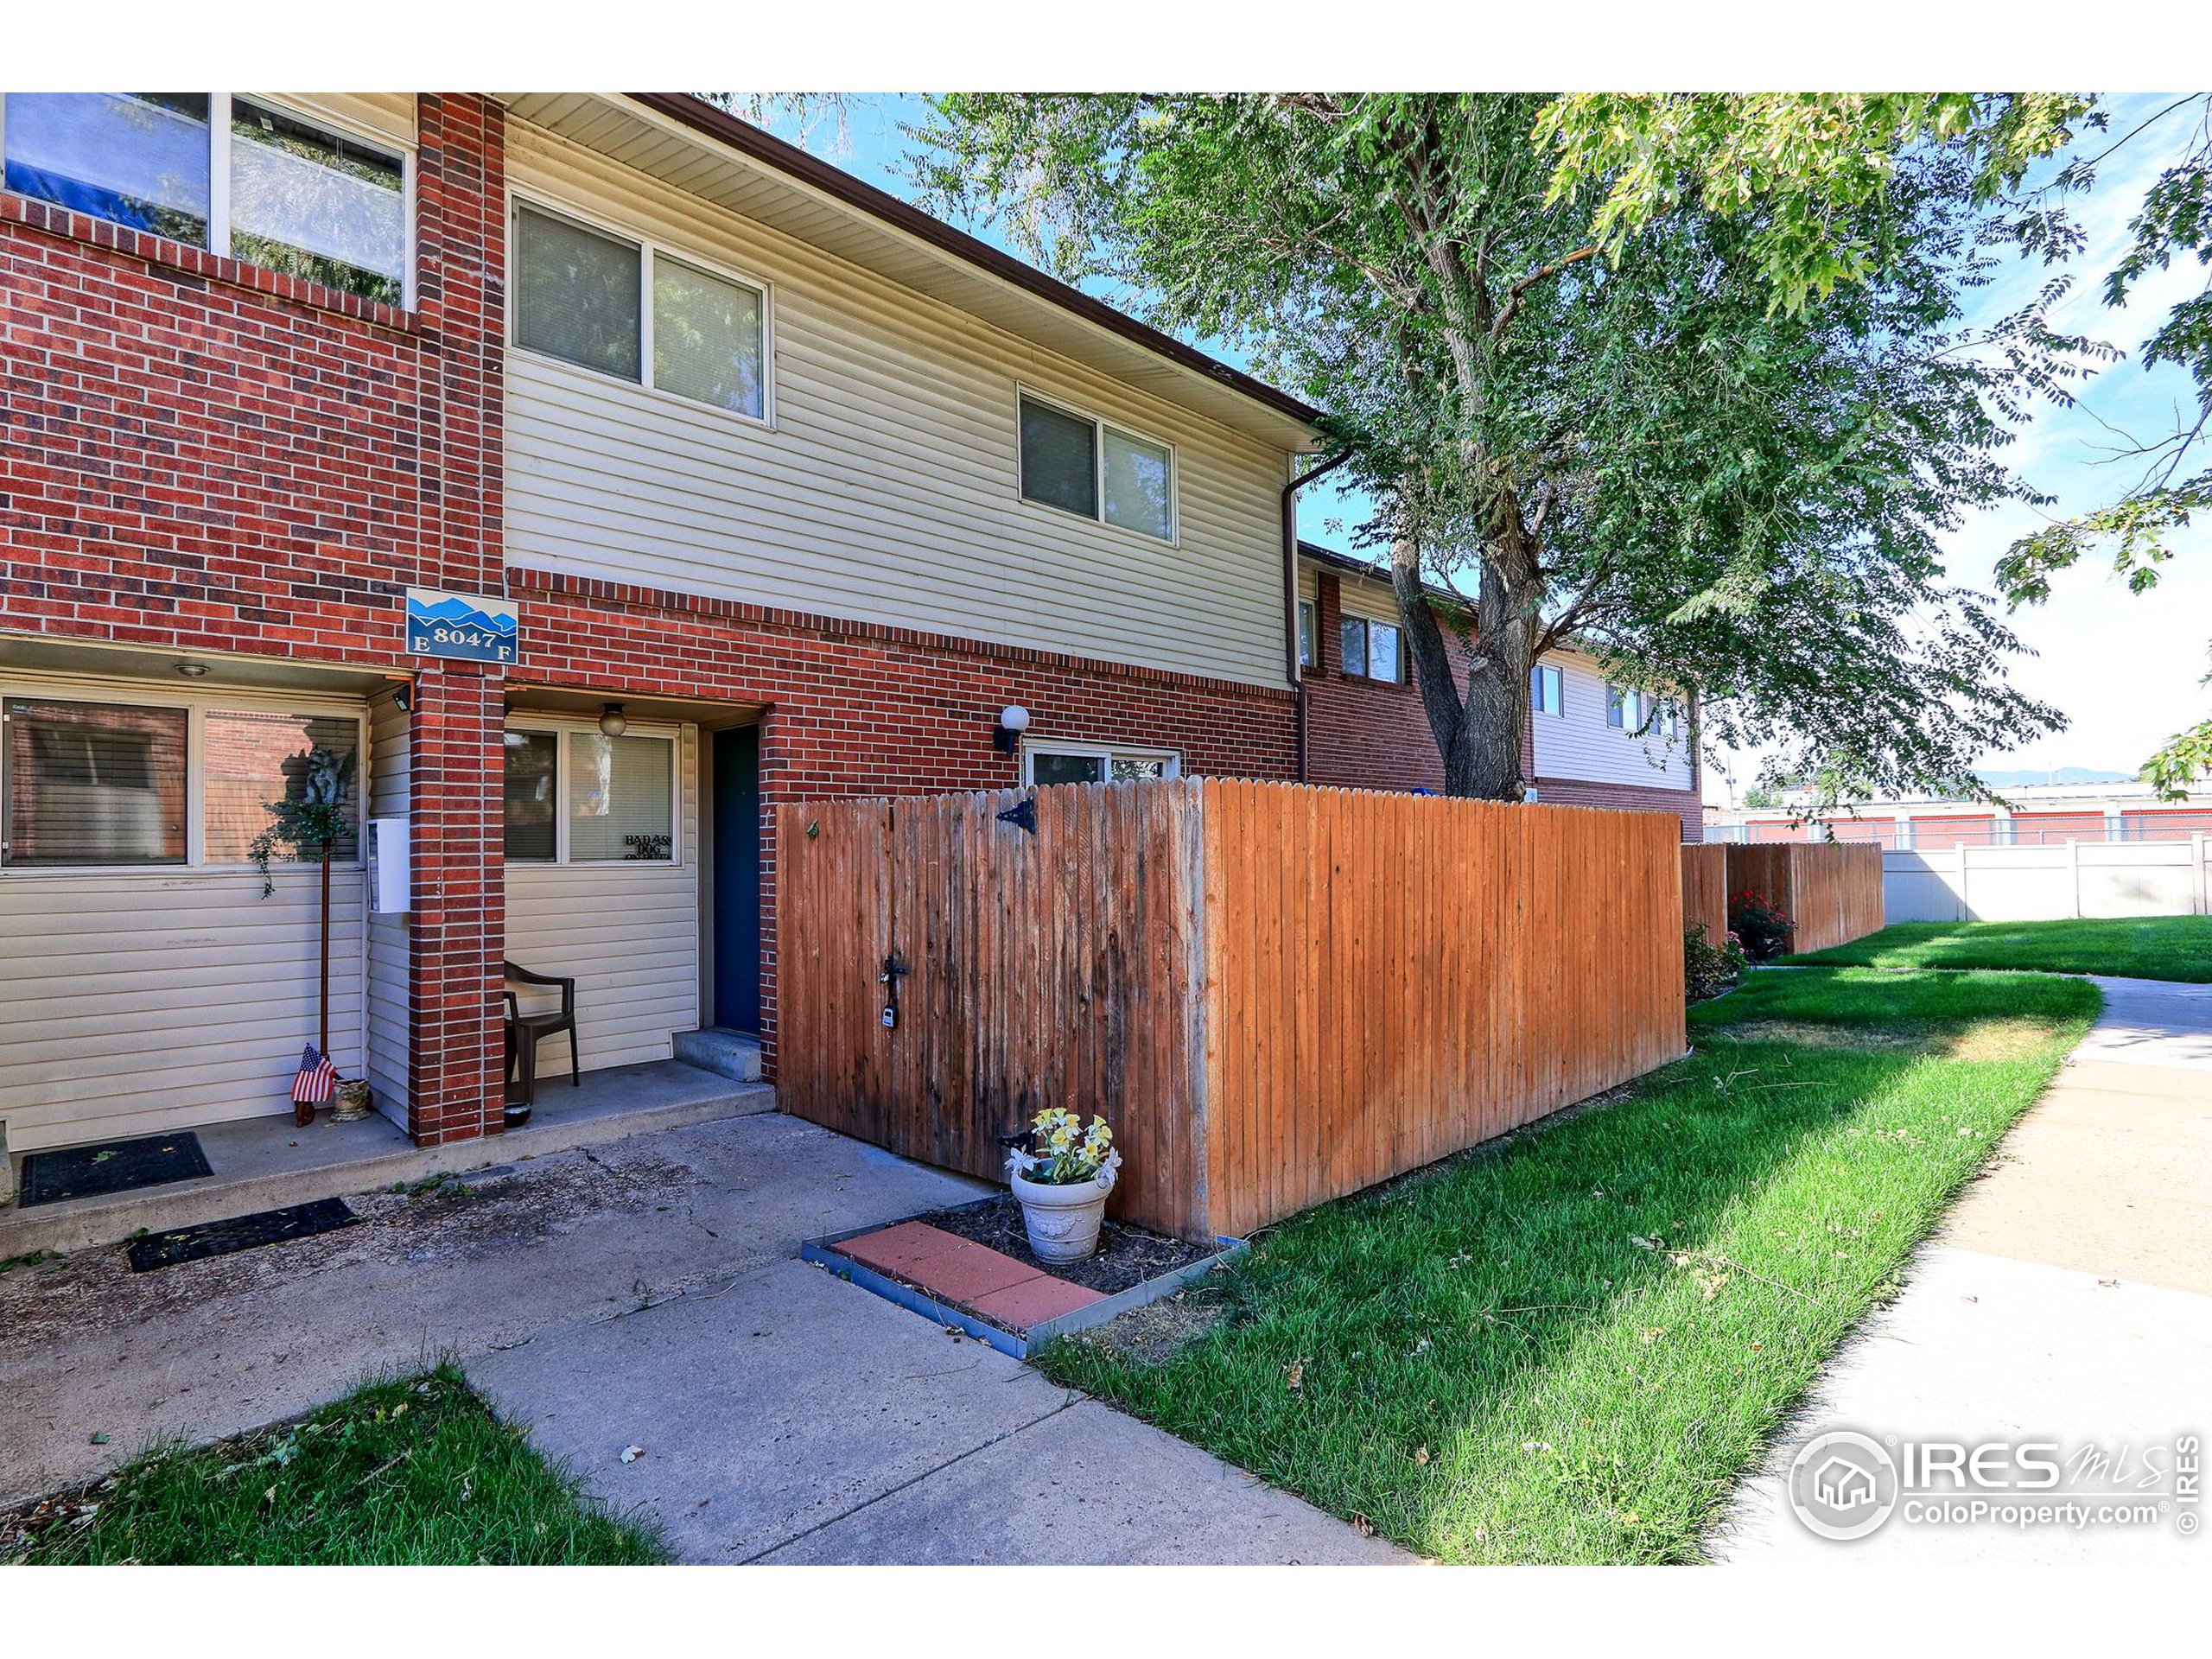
pixel 1084 763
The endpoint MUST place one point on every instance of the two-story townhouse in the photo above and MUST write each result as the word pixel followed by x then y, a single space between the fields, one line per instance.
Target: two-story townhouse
pixel 790 491
pixel 1587 743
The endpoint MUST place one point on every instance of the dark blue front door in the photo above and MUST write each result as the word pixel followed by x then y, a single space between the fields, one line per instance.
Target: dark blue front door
pixel 737 878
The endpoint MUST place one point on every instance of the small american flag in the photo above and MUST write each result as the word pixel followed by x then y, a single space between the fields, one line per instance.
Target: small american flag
pixel 316 1080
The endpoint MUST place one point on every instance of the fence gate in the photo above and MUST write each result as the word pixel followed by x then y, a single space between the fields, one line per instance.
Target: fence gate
pixel 1027 968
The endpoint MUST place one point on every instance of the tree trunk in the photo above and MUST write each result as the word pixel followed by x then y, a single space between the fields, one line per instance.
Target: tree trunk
pixel 1478 727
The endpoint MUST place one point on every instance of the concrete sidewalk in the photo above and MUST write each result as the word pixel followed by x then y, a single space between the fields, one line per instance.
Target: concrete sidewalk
pixel 2067 1298
pixel 645 1293
pixel 793 1417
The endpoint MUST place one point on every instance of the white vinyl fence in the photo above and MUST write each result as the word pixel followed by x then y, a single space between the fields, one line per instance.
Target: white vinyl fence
pixel 2026 884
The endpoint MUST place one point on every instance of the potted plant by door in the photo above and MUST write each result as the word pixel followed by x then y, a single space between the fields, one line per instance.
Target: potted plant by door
pixel 1064 1182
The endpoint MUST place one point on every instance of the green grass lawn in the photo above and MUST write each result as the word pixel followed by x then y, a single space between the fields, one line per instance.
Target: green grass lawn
pixel 1568 1348
pixel 412 1471
pixel 2151 947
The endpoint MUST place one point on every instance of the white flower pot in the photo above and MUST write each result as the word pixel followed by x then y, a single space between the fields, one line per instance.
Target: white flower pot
pixel 1062 1221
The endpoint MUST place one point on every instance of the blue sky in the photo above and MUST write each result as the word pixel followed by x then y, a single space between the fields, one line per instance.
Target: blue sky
pixel 2124 668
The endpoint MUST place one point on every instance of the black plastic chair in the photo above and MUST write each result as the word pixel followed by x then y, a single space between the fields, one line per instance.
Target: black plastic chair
pixel 526 1031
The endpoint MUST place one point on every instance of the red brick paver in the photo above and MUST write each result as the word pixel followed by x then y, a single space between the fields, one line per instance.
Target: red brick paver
pixel 1035 1300
pixel 971 1276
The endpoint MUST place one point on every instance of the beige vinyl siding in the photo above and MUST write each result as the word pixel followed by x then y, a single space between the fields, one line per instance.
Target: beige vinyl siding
pixel 629 934
pixel 133 1003
pixel 1579 745
pixel 389 973
pixel 886 490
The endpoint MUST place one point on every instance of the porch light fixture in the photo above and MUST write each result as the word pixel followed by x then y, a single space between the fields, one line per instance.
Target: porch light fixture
pixel 1013 720
pixel 612 722
pixel 191 670
pixel 401 698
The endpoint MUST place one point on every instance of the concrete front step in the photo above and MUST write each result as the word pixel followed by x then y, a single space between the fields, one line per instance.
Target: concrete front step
pixel 264 1163
pixel 727 1053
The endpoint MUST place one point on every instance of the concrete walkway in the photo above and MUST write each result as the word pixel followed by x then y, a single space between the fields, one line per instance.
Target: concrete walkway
pixel 645 1293
pixel 2067 1298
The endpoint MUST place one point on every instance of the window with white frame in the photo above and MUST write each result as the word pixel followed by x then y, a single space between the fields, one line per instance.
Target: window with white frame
pixel 581 294
pixel 1096 470
pixel 1049 762
pixel 87 781
pixel 576 796
pixel 1308 634
pixel 1371 650
pixel 240 175
pixel 1623 707
pixel 1547 690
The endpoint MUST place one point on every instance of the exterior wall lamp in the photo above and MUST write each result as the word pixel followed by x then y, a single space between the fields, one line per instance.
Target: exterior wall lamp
pixel 613 721
pixel 1013 720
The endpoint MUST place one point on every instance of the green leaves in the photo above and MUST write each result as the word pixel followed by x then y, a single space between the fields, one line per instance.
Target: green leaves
pixel 1684 377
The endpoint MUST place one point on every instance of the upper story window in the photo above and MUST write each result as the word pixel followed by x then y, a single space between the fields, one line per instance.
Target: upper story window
pixel 1547 690
pixel 1372 650
pixel 1308 634
pixel 297 195
pixel 580 295
pixel 1623 707
pixel 1086 467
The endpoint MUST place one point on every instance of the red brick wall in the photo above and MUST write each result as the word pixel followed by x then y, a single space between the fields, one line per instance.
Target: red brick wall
pixel 457 932
pixel 857 709
pixel 199 455
pixel 1362 734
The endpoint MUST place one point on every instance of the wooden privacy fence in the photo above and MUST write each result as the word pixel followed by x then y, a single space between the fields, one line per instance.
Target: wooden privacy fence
pixel 1705 888
pixel 1833 890
pixel 1275 993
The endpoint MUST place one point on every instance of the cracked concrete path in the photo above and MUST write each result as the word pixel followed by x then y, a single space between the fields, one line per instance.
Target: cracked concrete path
pixel 645 1293
pixel 464 1267
pixel 792 1417
pixel 2068 1297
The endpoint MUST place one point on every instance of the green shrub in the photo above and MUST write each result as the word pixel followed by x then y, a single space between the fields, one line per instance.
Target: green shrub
pixel 1709 969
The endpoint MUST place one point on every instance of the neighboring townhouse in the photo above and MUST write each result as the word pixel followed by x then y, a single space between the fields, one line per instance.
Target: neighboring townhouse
pixel 585 474
pixel 1588 743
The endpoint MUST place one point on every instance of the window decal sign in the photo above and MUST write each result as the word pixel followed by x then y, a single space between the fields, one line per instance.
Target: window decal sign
pixel 465 625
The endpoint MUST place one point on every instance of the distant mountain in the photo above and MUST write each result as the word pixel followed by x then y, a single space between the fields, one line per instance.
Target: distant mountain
pixel 2062 775
pixel 460 611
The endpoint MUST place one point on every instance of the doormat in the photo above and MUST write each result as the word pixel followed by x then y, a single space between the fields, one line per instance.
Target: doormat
pixel 116 1166
pixel 239 1233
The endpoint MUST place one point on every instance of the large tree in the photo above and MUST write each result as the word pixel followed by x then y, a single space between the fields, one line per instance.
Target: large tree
pixel 1793 161
pixel 1607 431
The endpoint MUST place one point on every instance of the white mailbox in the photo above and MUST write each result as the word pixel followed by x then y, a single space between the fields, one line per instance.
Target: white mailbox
pixel 390 871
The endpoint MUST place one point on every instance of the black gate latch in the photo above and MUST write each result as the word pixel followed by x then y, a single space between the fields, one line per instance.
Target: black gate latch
pixel 892 972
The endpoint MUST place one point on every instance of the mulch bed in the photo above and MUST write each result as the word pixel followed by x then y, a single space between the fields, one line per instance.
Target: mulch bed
pixel 1126 1255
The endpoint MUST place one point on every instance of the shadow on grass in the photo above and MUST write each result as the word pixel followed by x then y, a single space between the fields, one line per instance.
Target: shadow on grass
pixel 1567 1347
